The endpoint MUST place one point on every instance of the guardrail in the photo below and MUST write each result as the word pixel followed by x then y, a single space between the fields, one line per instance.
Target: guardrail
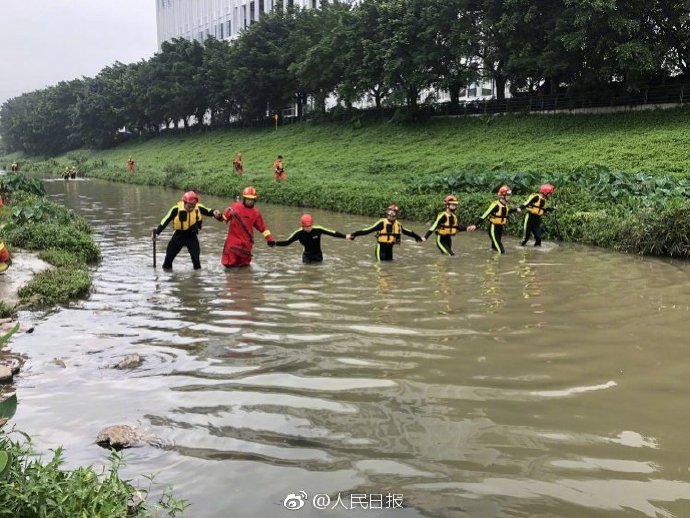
pixel 673 94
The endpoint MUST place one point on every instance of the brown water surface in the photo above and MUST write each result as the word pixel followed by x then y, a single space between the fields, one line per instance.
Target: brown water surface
pixel 545 382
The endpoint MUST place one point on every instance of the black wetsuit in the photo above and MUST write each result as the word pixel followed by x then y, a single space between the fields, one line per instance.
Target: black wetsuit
pixel 311 241
pixel 536 208
pixel 385 227
pixel 446 226
pixel 183 238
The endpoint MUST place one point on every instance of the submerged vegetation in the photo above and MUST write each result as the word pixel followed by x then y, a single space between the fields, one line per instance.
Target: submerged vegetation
pixel 622 179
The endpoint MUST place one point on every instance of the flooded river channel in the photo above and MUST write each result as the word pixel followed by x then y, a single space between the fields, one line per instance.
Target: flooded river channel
pixel 541 383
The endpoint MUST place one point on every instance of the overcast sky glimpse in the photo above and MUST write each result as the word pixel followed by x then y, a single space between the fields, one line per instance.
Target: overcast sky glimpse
pixel 43 42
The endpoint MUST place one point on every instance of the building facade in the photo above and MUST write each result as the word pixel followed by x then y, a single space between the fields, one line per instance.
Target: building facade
pixel 222 19
pixel 225 19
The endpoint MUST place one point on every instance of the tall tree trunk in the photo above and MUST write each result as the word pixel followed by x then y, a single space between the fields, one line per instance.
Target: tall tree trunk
pixel 500 81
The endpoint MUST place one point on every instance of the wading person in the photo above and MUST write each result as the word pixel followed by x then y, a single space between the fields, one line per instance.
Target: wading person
pixel 309 235
pixel 237 164
pixel 536 208
pixel 131 165
pixel 279 173
pixel 497 214
pixel 446 225
pixel 186 217
pixel 388 234
pixel 242 218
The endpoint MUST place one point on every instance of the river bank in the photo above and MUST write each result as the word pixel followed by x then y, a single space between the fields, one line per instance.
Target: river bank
pixel 622 179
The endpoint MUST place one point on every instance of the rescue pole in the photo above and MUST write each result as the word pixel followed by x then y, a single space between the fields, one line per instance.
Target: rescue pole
pixel 153 233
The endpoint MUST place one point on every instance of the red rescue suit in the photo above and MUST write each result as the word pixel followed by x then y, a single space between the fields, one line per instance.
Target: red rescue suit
pixel 237 250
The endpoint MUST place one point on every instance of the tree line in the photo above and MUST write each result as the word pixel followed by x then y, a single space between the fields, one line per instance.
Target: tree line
pixel 384 52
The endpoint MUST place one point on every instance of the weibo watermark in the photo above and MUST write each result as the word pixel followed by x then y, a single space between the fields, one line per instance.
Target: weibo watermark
pixel 296 501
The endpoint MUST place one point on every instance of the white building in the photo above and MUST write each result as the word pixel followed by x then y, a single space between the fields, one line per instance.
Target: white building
pixel 223 19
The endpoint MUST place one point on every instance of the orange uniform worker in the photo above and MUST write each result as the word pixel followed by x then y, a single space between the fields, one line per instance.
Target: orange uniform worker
pixel 131 165
pixel 5 258
pixel 279 173
pixel 242 218
pixel 237 164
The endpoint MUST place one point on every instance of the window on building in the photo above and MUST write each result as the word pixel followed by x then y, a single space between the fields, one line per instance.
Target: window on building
pixel 244 16
pixel 229 28
pixel 291 3
pixel 313 4
pixel 219 31
pixel 262 10
pixel 487 91
pixel 472 92
pixel 462 93
pixel 251 12
pixel 200 36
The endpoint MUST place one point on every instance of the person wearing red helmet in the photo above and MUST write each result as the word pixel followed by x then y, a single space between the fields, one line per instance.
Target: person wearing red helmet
pixel 242 218
pixel 497 214
pixel 186 216
pixel 536 208
pixel 309 236
pixel 446 225
pixel 388 233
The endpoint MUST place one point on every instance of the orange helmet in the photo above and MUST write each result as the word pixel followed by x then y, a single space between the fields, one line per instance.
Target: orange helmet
pixel 547 189
pixel 190 197
pixel 306 220
pixel 250 193
pixel 504 190
pixel 451 198
pixel 393 207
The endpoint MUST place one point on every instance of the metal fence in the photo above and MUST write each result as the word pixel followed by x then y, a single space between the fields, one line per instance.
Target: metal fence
pixel 614 98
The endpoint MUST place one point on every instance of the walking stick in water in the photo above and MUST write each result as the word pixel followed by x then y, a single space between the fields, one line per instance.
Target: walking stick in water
pixel 558 228
pixel 153 235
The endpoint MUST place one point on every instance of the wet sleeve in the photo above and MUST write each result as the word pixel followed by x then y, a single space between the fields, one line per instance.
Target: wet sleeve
pixel 167 219
pixel 486 214
pixel 433 226
pixel 329 232
pixel 376 226
pixel 411 233
pixel 205 210
pixel 294 237
pixel 530 201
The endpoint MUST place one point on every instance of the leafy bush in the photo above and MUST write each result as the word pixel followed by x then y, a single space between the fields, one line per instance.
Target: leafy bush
pixel 13 182
pixel 56 286
pixel 40 236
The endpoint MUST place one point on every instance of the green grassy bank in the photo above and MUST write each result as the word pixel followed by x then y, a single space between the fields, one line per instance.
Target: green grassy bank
pixel 622 179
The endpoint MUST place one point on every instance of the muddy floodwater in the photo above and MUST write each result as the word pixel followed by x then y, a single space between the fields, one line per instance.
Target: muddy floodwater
pixel 542 383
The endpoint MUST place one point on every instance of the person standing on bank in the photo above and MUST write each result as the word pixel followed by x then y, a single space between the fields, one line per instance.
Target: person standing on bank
pixel 279 173
pixel 536 208
pixel 242 218
pixel 310 238
pixel 388 233
pixel 446 225
pixel 237 164
pixel 497 214
pixel 186 219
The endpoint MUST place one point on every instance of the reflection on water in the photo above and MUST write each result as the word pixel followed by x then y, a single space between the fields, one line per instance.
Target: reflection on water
pixel 540 383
